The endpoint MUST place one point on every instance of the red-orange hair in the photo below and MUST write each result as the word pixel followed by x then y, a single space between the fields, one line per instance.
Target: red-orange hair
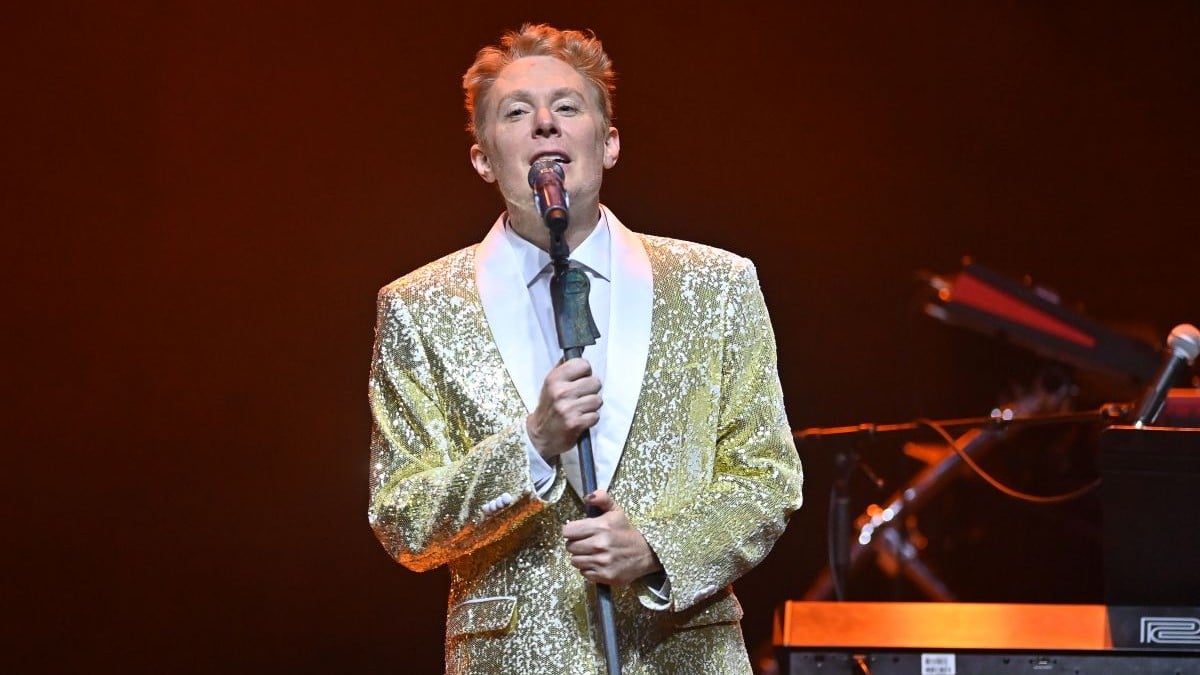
pixel 582 51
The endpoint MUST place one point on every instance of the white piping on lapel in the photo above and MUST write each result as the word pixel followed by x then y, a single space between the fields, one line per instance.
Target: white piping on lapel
pixel 632 303
pixel 510 315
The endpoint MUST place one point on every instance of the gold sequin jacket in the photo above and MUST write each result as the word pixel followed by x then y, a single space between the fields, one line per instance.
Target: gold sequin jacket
pixel 708 474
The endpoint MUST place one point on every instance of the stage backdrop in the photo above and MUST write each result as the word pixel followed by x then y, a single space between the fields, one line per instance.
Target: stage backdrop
pixel 202 199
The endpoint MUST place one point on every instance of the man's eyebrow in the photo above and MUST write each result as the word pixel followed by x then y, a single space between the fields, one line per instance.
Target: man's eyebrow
pixel 526 94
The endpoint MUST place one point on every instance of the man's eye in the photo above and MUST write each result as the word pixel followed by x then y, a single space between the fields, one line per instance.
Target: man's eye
pixel 513 114
pixel 567 108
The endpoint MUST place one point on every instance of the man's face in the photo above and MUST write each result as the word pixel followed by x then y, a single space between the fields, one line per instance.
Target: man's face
pixel 541 106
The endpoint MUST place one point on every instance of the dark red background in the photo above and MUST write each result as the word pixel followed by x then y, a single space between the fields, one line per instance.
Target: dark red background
pixel 204 197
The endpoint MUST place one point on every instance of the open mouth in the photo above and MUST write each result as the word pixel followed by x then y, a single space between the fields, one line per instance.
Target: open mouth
pixel 556 156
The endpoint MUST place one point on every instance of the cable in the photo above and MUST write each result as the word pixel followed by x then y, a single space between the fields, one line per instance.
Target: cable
pixel 1015 494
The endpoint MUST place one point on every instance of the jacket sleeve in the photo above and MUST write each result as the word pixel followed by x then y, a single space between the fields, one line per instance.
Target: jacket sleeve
pixel 429 480
pixel 731 523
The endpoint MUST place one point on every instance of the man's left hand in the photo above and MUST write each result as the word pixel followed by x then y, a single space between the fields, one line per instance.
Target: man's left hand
pixel 607 549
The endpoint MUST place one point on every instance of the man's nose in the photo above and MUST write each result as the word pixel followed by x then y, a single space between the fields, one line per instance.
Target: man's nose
pixel 544 124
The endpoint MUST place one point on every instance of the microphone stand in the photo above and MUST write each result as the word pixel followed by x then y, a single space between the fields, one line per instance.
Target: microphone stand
pixel 845 552
pixel 569 289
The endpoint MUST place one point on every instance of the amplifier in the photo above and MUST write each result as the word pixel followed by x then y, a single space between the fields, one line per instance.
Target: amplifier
pixel 927 638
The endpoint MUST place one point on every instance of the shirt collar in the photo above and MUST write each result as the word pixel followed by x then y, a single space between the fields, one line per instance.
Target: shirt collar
pixel 593 254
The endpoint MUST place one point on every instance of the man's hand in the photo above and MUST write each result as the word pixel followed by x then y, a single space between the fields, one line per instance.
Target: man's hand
pixel 569 405
pixel 607 549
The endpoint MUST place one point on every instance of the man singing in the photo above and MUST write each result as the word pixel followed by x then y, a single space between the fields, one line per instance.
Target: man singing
pixel 476 417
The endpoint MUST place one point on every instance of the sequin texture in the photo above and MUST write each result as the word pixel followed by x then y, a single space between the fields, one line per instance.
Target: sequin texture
pixel 709 473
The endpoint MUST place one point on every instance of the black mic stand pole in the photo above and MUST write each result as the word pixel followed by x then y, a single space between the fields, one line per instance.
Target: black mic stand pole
pixel 839 522
pixel 569 289
pixel 845 553
pixel 1110 412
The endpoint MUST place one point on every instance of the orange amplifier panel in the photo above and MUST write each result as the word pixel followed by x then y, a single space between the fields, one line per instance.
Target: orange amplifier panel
pixel 942 626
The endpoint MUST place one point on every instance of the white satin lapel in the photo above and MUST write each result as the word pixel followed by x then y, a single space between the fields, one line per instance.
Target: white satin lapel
pixel 510 315
pixel 632 303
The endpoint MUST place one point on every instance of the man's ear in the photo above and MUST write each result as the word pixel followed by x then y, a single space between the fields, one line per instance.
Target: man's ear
pixel 612 148
pixel 483 165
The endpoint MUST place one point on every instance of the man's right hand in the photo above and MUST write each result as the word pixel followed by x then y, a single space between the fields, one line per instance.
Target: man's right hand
pixel 569 405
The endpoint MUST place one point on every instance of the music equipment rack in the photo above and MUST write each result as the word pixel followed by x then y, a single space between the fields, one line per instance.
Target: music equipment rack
pixel 937 638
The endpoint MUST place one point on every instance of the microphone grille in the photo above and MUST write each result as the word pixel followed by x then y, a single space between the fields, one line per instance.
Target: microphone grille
pixel 543 165
pixel 1184 340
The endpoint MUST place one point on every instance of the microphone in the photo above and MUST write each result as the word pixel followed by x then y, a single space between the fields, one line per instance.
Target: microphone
pixel 1183 345
pixel 546 179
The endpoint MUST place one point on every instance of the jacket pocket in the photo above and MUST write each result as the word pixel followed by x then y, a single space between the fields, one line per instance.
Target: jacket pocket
pixel 496 614
pixel 724 608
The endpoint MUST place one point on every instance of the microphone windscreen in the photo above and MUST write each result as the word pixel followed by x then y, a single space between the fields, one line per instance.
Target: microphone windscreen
pixel 540 168
pixel 1184 341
